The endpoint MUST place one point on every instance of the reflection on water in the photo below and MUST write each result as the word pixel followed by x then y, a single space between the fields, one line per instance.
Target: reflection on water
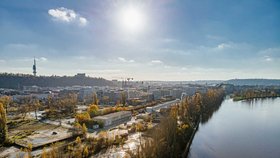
pixel 240 129
pixel 206 116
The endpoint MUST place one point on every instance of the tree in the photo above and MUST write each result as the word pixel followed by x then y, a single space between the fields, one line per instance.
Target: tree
pixel 105 99
pixel 29 149
pixel 93 110
pixel 78 140
pixel 95 99
pixel 71 101
pixel 84 130
pixel 82 117
pixel 36 105
pixel 5 100
pixel 85 153
pixel 49 102
pixel 3 125
pixel 123 98
pixel 44 153
pixel 26 105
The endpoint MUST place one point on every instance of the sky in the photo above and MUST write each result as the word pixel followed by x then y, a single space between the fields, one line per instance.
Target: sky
pixel 173 40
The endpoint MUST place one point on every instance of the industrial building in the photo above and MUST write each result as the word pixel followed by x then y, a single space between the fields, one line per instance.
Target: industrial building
pixel 163 105
pixel 114 118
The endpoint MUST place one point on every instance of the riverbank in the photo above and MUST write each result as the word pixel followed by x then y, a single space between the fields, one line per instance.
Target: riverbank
pixel 187 149
pixel 240 98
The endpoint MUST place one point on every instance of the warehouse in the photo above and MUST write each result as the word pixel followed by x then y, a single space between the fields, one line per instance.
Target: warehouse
pixel 114 118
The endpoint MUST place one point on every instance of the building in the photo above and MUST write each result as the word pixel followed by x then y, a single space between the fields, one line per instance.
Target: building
pixel 81 75
pixel 85 94
pixel 160 106
pixel 176 93
pixel 114 118
pixel 156 93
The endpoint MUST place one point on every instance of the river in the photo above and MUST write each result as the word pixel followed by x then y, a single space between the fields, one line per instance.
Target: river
pixel 243 129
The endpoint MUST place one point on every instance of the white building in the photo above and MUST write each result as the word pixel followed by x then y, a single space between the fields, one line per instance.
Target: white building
pixel 114 118
pixel 163 105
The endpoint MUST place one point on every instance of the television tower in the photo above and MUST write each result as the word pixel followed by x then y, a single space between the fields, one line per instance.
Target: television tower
pixel 34 67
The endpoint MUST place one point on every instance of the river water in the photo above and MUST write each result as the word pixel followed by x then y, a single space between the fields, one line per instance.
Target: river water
pixel 243 129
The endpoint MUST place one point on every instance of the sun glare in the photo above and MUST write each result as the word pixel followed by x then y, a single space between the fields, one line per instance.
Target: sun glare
pixel 132 19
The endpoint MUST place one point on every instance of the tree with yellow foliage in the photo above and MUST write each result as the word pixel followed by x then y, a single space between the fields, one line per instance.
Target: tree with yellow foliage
pixel 95 99
pixel 82 117
pixel 78 140
pixel 36 105
pixel 44 153
pixel 5 100
pixel 29 149
pixel 93 110
pixel 3 125
pixel 84 130
pixel 85 152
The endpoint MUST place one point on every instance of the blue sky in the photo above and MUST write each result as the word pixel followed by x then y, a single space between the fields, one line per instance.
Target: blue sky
pixel 174 40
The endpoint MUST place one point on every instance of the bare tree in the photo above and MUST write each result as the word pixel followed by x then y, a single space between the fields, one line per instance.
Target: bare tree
pixel 36 104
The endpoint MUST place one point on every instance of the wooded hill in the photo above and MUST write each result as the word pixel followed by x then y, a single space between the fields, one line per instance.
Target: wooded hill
pixel 254 82
pixel 15 81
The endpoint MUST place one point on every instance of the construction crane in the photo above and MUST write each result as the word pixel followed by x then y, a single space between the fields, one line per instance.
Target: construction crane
pixel 125 80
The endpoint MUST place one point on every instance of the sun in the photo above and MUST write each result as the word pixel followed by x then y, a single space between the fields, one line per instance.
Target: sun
pixel 132 19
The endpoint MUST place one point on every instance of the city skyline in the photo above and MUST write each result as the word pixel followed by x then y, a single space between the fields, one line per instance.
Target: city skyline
pixel 146 40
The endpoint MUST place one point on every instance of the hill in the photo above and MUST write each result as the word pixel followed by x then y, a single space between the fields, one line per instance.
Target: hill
pixel 14 81
pixel 254 82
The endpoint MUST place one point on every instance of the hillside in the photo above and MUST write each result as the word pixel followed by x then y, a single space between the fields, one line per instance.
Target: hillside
pixel 253 82
pixel 14 81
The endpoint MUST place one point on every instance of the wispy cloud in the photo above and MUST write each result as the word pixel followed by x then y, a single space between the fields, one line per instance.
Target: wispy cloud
pixel 271 52
pixel 267 58
pixel 156 62
pixel 214 37
pixel 169 40
pixel 125 60
pixel 223 46
pixel 42 59
pixel 67 15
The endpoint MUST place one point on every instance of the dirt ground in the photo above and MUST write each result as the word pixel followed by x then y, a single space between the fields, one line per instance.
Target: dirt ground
pixel 25 132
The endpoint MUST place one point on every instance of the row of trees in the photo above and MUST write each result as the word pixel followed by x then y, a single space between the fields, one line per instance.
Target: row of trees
pixel 57 108
pixel 172 134
pixel 15 81
pixel 251 94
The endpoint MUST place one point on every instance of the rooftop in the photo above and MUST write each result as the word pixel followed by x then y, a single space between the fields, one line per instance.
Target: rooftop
pixel 112 115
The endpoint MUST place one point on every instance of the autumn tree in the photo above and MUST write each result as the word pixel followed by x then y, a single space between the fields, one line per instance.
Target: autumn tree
pixel 29 149
pixel 36 104
pixel 93 110
pixel 3 125
pixel 94 99
pixel 25 105
pixel 123 98
pixel 5 100
pixel 44 153
pixel 84 130
pixel 105 99
pixel 82 117
pixel 85 152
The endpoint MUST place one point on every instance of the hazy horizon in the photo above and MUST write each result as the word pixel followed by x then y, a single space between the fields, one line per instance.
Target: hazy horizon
pixel 166 40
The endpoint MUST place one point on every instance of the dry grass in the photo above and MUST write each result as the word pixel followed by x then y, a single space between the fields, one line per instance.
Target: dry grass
pixel 19 129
